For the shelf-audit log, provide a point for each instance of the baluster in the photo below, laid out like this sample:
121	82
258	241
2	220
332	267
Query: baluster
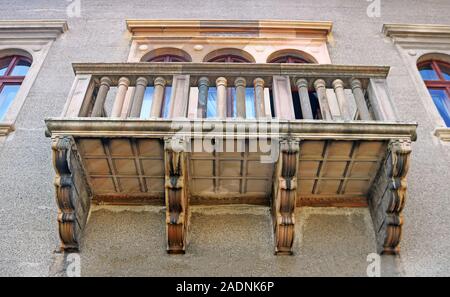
203	85
221	85
364	113
105	83
139	92
321	91
259	98
338	86
302	85
158	97
240	85
120	97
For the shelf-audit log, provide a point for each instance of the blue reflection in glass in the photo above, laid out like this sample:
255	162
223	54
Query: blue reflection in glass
211	110
442	103
147	103
21	68
428	73
6	98
250	103
167	94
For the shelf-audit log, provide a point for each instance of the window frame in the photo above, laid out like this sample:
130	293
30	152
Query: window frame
441	83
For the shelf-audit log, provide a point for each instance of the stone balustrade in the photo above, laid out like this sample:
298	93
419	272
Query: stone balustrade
325	92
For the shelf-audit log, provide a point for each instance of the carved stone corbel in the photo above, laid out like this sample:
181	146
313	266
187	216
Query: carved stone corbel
176	194
284	196
388	195
73	195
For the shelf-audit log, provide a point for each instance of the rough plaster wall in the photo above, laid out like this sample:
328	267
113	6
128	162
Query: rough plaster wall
27	208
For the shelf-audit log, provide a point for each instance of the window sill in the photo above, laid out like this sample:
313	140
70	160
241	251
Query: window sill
6	128
442	133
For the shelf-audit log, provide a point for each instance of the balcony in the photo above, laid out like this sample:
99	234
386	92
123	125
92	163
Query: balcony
318	135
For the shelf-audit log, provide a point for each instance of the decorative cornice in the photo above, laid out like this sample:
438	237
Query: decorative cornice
31	29
230	69
418	34
305	129
228	25
442	133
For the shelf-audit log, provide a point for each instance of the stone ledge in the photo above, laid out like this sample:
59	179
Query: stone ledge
6	128
442	133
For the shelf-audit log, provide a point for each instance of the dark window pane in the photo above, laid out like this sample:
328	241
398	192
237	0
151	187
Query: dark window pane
4	63
3	70
428	73
6	98
445	71
442	103
21	68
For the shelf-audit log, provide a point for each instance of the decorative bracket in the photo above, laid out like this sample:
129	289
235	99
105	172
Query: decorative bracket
388	195
284	196
176	194
73	195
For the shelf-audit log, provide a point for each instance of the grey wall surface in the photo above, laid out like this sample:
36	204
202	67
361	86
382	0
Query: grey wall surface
28	233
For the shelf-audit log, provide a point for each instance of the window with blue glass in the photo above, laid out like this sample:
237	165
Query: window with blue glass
12	73
436	75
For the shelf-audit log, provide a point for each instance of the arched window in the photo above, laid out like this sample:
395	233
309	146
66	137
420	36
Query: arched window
168	58
436	75
296	57
289	59
229	59
290	56
163	55
12	73
230	56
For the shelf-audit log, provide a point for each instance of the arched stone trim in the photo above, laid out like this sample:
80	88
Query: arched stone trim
169	51
229	52
292	53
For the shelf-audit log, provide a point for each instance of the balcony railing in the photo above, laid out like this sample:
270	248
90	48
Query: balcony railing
342	92
130	134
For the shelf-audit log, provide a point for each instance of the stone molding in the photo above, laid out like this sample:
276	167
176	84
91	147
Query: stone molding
32	38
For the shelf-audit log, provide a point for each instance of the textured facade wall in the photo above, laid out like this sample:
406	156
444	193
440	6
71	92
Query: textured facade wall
27	207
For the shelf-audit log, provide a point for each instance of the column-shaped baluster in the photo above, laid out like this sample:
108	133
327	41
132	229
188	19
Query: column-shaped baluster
260	110
221	85
321	91
158	97
139	92
364	113
203	85
302	85
240	85
338	86
105	83
120	97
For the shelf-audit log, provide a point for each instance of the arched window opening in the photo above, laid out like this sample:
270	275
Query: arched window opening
436	75
291	59
232	56
229	59
296	57
13	70
168	58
